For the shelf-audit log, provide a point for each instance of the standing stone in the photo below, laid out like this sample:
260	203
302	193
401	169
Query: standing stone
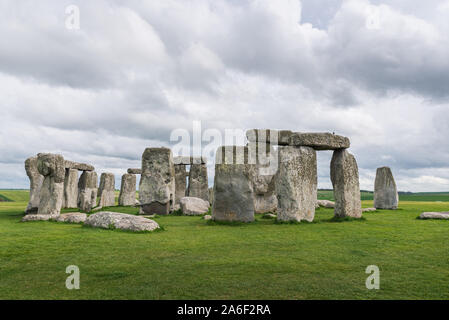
157	183
51	166
345	179
233	188
180	182
87	191
211	195
198	183
106	191
36	180
385	191
296	184
70	199
127	195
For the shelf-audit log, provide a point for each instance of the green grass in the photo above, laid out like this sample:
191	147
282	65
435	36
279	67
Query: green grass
419	196
196	259
15	195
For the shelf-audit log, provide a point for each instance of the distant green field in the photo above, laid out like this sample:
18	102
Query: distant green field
421	196
15	195
195	259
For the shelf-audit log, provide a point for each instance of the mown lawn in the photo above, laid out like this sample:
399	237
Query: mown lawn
194	259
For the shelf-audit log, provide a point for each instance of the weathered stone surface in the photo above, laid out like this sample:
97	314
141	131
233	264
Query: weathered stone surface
198	182
87	191
106	192
233	189
72	217
296	184
191	206
345	179
326	203
434	215
273	137
180	182
70	199
157	183
78	166
189	160
36	181
107	220
39	217
51	166
134	171
127	195
211	195
319	141
385	191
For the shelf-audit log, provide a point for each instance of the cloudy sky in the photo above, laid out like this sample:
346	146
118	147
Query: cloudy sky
135	71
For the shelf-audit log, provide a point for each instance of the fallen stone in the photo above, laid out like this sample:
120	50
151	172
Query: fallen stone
198	182
326	203
70	199
319	141
207	217
385	191
106	192
269	216
122	221
157	183
72	217
39	217
51	166
368	209
134	171
345	179
296	184
233	189
36	181
127	196
191	206
434	215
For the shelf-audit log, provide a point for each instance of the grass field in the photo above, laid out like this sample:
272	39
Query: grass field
194	259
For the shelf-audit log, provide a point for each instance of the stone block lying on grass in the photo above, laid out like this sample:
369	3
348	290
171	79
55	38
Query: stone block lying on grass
122	221
434	215
39	217
326	203
368	209
72	217
192	206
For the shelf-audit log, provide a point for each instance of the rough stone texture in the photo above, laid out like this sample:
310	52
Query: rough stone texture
51	166
198	182
87	191
72	217
296	184
107	220
134	171
233	189
189	160
385	191
180	182
36	181
319	141
211	195
70	199
127	195
78	166
345	179
157	183
106	192
326	203
434	215
39	217
191	206
273	137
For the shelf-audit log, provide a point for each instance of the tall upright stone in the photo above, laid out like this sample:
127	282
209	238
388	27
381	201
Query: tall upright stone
106	192
198	183
296	183
385	191
180	182
51	166
36	181
87	191
345	180
233	188
70	199
127	195
157	183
